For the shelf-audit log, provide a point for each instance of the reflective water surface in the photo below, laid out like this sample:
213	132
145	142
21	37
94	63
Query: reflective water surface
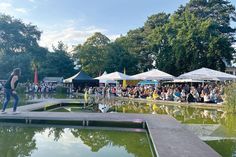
227	148
22	141
215	127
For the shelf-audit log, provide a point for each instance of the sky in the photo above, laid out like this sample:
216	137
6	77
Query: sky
73	21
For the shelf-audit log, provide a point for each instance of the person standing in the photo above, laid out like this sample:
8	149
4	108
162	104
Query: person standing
9	90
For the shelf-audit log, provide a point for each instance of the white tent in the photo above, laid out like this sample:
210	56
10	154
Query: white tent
207	74
153	74
105	80
114	76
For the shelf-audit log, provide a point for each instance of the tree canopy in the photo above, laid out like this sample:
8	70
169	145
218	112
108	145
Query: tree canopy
19	48
198	34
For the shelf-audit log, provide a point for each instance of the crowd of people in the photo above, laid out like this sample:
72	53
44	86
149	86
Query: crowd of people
207	93
40	88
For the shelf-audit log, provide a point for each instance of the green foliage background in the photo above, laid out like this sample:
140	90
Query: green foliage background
196	35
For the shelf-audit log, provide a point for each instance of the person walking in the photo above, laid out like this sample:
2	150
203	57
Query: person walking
9	90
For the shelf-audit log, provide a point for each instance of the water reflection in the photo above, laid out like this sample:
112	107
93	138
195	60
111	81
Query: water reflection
226	148
17	141
37	141
211	123
184	114
37	96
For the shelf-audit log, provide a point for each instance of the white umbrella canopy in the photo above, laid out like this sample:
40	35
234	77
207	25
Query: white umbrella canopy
153	74
114	76
207	74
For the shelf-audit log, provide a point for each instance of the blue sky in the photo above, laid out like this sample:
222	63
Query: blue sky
72	21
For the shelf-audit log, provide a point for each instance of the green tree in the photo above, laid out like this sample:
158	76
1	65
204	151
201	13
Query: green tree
97	40
119	58
92	54
17	37
137	43
57	63
196	36
155	21
19	47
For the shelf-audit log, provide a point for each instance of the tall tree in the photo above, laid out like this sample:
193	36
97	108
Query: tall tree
97	40
118	59
18	46
57	63
196	36
92	54
17	37
138	44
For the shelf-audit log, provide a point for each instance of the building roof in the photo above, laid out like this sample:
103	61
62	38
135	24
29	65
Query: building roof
53	79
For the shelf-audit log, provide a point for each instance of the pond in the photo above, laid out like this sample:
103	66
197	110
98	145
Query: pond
38	141
213	126
227	148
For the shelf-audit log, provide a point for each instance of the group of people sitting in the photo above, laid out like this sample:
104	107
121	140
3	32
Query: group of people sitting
207	93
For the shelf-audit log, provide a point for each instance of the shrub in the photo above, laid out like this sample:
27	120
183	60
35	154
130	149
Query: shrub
230	98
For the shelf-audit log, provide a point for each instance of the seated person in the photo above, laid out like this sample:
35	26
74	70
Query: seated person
190	98
207	98
176	95
169	95
145	93
155	95
196	95
183	95
119	92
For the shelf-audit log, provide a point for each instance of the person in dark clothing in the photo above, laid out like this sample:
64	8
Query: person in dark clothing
9	90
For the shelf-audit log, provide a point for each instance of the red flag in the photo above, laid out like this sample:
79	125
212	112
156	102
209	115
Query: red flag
35	76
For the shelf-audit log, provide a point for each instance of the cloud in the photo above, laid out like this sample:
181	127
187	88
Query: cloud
70	35
5	6
8	8
21	10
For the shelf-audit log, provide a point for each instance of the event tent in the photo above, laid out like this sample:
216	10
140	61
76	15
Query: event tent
114	76
105	81
207	74
79	76
153	74
81	80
